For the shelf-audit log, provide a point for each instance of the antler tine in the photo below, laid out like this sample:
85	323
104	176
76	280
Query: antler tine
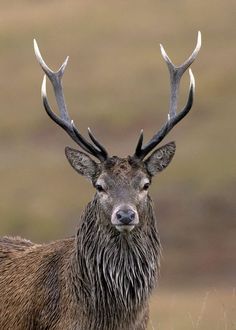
55	78
96	142
64	120
140	143
176	72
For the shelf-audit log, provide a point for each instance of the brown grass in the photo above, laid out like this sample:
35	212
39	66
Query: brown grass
194	309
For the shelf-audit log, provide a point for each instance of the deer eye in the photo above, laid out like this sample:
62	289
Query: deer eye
99	188
146	186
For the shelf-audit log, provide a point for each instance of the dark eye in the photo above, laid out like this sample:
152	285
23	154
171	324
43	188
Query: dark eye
146	186
99	188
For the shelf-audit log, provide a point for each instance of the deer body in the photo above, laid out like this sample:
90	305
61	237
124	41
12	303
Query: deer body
97	280
103	277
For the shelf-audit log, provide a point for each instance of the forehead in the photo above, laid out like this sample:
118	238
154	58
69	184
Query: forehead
123	170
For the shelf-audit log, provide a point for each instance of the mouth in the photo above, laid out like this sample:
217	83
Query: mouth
125	228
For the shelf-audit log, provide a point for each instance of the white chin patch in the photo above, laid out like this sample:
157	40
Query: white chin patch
125	228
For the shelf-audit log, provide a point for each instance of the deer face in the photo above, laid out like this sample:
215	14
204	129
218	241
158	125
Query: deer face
122	183
122	189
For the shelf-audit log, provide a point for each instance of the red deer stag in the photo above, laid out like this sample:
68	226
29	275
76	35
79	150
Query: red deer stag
101	278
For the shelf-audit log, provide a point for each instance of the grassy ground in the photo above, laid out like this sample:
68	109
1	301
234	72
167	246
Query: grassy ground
194	309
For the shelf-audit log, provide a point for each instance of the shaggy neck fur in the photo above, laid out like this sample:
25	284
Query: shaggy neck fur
115	272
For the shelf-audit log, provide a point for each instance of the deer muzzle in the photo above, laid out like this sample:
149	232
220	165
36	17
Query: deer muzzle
125	217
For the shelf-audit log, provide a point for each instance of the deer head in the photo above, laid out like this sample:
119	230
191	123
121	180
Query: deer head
121	183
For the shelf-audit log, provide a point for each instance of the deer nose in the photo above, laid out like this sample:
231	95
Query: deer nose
125	216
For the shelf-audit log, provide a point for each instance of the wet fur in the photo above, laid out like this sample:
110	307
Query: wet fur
98	280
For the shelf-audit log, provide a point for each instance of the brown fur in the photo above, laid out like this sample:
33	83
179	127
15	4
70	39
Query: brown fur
99	279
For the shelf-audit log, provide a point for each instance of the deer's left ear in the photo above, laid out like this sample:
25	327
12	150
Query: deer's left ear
160	158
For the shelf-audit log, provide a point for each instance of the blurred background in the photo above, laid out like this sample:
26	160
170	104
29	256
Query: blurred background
117	83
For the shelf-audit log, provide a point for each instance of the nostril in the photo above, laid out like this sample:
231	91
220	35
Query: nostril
132	215
118	215
125	216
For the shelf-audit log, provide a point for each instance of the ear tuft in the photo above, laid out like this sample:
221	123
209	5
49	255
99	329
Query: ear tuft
160	158
82	163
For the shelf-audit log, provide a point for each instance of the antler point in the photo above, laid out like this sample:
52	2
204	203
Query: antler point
191	75
199	43
66	60
36	49
199	34
44	89
163	52
192	79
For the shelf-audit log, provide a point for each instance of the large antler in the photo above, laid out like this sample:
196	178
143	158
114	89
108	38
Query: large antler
95	149
176	72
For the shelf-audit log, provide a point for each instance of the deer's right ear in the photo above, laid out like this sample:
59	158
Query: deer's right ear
82	163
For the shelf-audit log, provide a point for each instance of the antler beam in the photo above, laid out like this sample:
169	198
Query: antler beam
95	149
176	72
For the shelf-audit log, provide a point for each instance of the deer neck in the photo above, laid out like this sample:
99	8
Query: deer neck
116	272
